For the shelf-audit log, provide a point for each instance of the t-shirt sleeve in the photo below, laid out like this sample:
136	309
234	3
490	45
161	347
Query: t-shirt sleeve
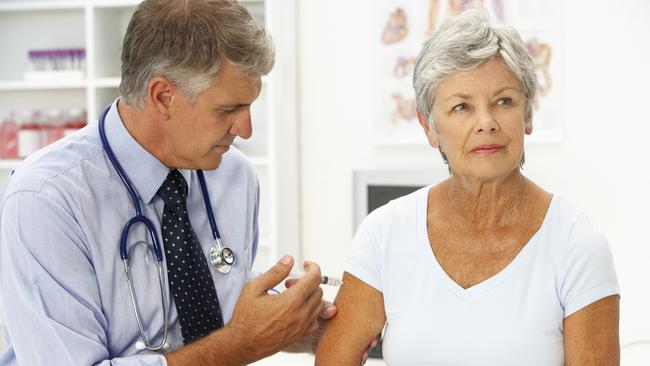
364	261
588	273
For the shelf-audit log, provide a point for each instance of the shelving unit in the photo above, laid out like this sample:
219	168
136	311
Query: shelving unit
17	86
99	27
6	166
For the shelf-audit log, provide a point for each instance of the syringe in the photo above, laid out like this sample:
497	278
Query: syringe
324	280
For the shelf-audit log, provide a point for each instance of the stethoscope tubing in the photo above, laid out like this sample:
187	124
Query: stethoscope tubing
139	218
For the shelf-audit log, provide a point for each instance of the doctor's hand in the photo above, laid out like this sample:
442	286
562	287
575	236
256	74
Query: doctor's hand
265	324
309	343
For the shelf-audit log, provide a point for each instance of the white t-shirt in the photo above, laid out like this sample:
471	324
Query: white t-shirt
513	318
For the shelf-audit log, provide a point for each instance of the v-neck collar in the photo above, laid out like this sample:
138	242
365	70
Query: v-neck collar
442	276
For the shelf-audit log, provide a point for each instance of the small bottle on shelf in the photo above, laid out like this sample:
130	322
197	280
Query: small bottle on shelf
76	120
29	133
8	137
32	61
53	127
81	54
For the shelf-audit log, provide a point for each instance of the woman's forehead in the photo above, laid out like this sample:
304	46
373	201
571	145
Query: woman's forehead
491	75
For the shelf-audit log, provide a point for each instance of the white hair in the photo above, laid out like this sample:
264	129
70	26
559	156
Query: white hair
463	43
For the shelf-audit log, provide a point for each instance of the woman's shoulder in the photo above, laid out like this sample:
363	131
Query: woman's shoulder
582	257
565	216
569	229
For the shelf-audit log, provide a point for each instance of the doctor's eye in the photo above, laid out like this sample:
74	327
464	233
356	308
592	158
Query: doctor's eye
460	107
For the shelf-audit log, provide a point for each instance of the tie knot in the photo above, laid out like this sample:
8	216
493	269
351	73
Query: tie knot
173	191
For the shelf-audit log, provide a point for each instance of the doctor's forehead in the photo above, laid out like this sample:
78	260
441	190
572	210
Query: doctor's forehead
241	91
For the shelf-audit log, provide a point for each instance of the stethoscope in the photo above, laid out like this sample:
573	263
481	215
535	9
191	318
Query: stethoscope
222	258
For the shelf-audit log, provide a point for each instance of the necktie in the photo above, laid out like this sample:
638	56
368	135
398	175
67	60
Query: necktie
189	277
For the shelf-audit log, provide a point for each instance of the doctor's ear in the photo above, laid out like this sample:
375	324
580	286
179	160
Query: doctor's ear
160	95
432	136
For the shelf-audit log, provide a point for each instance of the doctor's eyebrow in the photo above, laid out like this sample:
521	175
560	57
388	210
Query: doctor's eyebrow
233	106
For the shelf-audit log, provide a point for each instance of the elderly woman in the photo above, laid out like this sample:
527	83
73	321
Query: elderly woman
484	268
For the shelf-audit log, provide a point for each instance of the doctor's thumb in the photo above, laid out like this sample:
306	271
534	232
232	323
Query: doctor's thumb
275	274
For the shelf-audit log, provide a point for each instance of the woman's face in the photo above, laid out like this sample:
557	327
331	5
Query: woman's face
479	121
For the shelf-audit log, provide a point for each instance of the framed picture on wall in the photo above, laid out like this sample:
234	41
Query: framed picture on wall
402	26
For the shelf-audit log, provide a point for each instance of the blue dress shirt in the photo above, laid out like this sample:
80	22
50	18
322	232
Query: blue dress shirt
63	292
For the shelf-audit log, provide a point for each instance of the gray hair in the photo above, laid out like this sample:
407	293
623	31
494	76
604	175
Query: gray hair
463	43
185	41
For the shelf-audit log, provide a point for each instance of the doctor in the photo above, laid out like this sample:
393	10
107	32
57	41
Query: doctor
190	71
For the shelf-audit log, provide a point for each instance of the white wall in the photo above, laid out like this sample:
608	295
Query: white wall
601	166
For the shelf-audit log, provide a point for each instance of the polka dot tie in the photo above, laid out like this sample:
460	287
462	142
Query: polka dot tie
189	276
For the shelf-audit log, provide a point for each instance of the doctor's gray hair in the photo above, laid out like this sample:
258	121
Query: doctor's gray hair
463	43
185	41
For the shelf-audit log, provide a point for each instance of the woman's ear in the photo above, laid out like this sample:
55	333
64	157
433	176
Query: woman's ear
528	127
432	136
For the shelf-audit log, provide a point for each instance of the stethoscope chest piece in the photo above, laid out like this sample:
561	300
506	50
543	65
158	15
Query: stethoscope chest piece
222	258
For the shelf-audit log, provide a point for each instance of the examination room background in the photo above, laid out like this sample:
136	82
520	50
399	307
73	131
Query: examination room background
600	164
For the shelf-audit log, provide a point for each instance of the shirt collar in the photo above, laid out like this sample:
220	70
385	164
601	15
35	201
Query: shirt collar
144	170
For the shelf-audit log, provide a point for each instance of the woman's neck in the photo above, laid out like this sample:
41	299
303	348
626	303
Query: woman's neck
485	204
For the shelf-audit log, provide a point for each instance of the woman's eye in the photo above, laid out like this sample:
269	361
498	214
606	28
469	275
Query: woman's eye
460	107
504	101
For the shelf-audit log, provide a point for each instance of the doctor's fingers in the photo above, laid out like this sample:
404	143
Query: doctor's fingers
314	307
317	311
271	278
309	281
303	303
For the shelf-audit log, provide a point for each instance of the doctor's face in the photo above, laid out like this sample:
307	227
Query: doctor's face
479	121
203	132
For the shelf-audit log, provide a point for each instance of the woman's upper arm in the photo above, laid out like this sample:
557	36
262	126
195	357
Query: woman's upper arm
591	334
359	319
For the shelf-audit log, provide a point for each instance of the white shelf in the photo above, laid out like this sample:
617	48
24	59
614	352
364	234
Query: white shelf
115	3
22	85
27	5
106	83
9	164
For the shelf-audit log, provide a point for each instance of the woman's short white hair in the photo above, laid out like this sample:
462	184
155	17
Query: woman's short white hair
463	43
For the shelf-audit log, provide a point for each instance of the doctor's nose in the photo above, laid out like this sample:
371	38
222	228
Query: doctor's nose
243	126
